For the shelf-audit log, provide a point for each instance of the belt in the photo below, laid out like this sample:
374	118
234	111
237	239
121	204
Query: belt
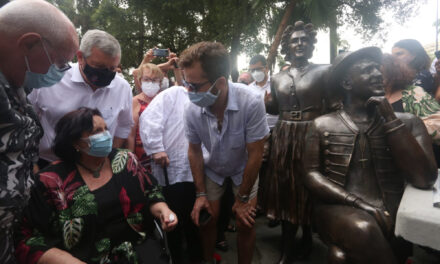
299	115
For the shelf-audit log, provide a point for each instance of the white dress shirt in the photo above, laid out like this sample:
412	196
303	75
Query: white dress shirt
262	90
72	92
161	127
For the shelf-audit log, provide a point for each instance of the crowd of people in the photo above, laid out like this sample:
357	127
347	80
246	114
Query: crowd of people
89	165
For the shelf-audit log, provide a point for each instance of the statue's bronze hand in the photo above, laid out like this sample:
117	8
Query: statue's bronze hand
382	105
382	217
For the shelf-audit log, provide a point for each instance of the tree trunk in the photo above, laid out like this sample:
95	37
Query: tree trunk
281	27
235	48
334	40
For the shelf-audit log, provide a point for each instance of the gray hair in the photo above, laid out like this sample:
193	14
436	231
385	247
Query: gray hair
101	40
22	16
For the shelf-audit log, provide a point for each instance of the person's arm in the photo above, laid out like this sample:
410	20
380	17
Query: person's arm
148	57
152	126
415	158
195	157
270	99
131	140
55	256
125	118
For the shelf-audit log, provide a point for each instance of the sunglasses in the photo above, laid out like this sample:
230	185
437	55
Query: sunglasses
194	86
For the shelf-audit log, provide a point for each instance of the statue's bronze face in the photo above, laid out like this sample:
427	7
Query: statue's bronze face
365	79
299	45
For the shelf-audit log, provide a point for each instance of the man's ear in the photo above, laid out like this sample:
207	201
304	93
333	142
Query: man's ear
80	57
27	41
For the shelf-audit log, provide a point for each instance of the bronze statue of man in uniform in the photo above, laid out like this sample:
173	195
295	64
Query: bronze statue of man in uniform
357	161
297	96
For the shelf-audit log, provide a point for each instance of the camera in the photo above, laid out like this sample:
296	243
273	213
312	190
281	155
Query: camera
161	52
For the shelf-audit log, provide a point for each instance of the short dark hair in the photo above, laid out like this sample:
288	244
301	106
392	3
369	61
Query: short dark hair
258	58
213	58
310	31
69	129
421	59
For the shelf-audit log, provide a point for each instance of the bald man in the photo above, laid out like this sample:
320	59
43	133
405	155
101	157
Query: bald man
36	43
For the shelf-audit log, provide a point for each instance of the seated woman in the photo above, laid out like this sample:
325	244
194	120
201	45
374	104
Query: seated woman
93	205
409	98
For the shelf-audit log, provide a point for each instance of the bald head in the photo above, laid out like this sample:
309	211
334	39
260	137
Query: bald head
245	78
24	24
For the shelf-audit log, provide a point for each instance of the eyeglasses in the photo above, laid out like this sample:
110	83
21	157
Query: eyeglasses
155	80
64	67
194	86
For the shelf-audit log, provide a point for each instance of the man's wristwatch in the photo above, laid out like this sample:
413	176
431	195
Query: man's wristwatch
243	198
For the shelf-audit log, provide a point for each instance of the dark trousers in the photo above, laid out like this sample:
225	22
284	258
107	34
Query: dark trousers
183	241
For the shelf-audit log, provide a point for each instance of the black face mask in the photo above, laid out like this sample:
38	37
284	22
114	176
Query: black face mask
98	77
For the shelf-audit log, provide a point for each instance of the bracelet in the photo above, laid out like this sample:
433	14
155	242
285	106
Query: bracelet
201	194
350	199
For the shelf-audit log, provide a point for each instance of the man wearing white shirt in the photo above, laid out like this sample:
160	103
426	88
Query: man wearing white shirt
90	83
161	127
261	84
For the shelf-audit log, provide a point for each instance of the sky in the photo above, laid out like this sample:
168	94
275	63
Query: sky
419	26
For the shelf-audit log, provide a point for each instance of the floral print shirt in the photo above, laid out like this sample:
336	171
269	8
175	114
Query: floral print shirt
100	226
20	133
420	103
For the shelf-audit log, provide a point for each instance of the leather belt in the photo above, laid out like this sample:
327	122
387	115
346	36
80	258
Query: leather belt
299	115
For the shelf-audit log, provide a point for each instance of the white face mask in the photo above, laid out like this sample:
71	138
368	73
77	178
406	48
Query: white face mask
150	88
258	76
165	83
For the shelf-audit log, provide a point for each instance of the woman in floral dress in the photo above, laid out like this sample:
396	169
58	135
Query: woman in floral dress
94	205
409	98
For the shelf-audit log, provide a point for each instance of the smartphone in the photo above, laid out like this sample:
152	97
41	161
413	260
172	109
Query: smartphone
437	54
161	52
204	217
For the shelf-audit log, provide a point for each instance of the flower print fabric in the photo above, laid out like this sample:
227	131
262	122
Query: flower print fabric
100	226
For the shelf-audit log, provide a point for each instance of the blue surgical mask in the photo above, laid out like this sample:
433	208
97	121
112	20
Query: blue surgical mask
100	145
203	99
35	80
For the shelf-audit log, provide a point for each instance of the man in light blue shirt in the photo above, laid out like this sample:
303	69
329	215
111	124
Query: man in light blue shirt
230	121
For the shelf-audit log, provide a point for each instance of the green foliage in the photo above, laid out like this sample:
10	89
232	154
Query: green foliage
241	25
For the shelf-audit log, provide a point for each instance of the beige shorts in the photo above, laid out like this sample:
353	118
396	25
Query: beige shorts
216	191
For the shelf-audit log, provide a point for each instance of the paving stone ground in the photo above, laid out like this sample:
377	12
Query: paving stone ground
269	239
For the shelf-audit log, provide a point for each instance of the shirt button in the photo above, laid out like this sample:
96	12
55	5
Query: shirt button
326	142
326	134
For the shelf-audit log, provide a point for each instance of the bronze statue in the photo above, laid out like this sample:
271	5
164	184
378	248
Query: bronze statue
297	96
357	161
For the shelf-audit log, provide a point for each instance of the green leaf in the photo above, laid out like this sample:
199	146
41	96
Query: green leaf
37	239
119	161
72	232
84	202
103	245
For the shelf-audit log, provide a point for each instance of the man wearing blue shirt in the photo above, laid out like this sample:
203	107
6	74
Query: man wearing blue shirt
231	123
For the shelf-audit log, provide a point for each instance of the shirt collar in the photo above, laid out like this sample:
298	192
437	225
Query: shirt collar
78	78
232	100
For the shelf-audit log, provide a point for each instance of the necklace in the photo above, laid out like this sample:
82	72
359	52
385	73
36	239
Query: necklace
95	173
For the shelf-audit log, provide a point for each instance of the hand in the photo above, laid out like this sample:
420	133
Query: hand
200	203
168	219
245	213
161	158
383	106
383	218
148	56
267	97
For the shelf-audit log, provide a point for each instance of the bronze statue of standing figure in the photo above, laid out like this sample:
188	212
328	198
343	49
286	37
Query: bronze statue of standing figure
297	96
357	161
